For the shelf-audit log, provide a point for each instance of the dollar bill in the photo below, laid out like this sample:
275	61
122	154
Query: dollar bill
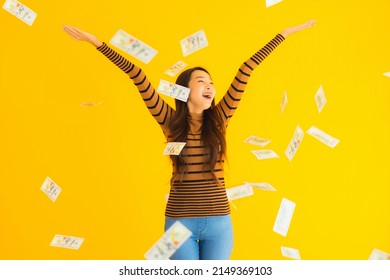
290	253
133	46
176	68
283	219
173	90
379	255
65	241
20	11
265	154
294	143
90	103
167	245
254	140
322	136
239	192
51	189
262	186
320	98
194	42
174	148
269	3
284	101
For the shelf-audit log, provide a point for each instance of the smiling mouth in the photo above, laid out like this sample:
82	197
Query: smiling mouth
207	96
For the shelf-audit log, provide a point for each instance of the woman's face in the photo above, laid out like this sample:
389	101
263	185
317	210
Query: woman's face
202	92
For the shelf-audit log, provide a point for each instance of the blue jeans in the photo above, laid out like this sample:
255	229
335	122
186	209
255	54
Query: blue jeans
211	239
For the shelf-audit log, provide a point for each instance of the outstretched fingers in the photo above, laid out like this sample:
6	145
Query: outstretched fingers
309	23
72	32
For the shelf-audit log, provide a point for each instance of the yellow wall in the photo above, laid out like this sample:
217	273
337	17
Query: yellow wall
108	158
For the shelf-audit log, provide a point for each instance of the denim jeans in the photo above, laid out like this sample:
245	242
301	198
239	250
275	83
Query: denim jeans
211	239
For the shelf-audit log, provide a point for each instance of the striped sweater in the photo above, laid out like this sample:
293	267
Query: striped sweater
197	194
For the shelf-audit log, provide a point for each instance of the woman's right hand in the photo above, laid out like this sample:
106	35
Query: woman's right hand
80	35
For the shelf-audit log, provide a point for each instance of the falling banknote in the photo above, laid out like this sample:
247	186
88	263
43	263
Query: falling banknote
283	219
51	189
262	186
167	245
322	136
174	148
254	140
284	101
265	154
294	143
290	253
379	255
320	99
194	43
133	46
90	103
69	242
176	68
20	11
239	192
173	90
269	3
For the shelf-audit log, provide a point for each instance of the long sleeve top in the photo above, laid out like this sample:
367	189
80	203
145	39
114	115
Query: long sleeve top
197	194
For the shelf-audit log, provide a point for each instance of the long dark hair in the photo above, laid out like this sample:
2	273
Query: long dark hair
213	129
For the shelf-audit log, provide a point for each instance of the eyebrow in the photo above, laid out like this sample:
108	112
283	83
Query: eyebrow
202	77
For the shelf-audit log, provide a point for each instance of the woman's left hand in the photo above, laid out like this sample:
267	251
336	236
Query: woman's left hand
294	29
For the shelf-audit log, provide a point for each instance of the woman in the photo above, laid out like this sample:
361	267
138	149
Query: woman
197	197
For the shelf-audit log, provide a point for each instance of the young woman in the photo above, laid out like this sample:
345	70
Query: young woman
197	197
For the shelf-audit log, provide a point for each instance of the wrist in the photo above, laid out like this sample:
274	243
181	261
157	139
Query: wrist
97	43
285	33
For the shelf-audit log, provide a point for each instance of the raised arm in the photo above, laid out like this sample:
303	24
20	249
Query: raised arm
159	109
228	104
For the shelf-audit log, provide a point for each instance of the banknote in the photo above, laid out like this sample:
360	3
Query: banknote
290	253
255	140
322	136
65	241
194	42
283	219
20	11
176	68
320	98
90	103
173	90
284	101
174	148
265	154
269	3
262	186
167	245
294	143
51	189
239	192
133	46
379	255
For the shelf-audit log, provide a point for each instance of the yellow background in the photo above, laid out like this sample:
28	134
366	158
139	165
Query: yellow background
108	158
